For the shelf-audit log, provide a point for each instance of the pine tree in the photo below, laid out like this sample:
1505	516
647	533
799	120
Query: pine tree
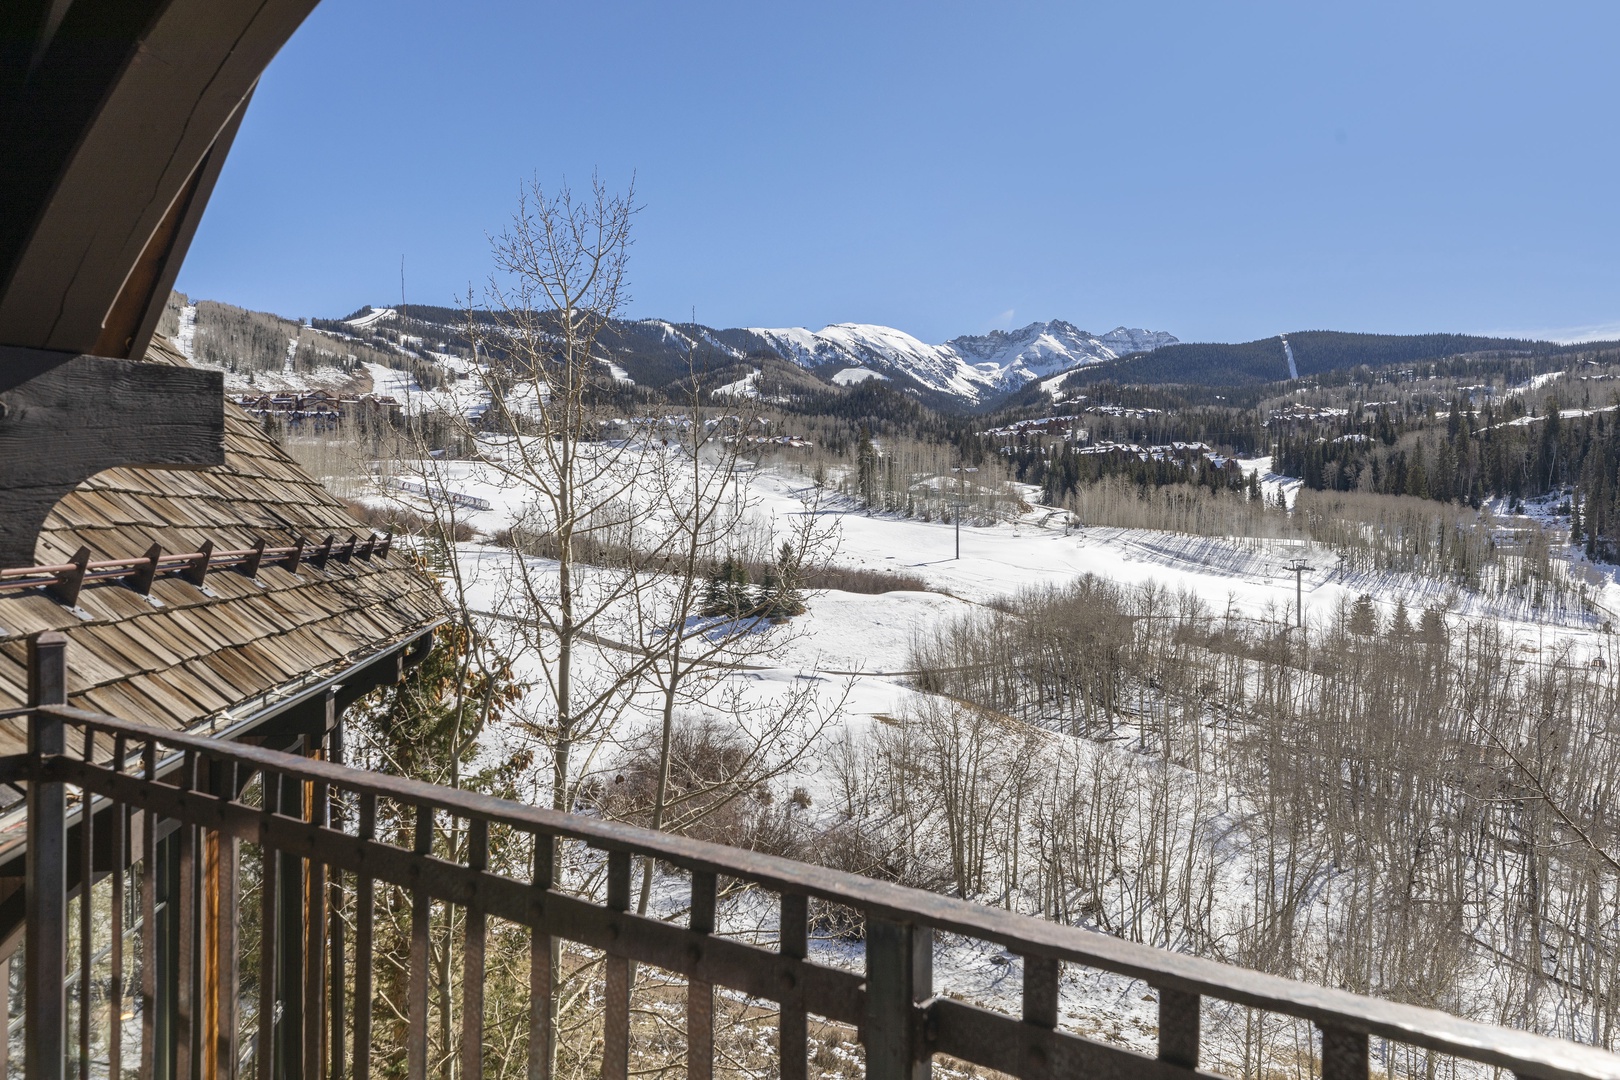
780	596
714	595
1432	627
866	466
1363	617
1400	627
727	593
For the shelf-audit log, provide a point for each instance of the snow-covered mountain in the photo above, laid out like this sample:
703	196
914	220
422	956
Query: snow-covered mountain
1043	349
971	367
972	371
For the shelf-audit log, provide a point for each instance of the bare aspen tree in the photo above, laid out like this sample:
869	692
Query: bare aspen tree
560	278
689	648
617	523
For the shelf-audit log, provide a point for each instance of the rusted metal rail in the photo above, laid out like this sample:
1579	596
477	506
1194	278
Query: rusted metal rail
65	580
320	834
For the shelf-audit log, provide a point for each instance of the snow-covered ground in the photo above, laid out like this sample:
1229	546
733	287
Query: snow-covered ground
745	387
1536	383
855	651
867	638
1271	483
459	396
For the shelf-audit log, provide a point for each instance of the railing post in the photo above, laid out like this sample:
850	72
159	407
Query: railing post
1179	1027
699	994
5	1011
1344	1054
364	913
222	857
289	1026
792	1027
87	937
119	837
899	973
616	978
543	952
269	928
149	922
314	944
45	1037
475	937
339	974
1041	996
416	993
186	989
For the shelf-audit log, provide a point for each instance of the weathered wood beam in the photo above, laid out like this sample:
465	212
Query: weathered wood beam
134	316
90	414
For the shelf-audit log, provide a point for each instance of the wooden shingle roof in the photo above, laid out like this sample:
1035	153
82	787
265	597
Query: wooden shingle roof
187	654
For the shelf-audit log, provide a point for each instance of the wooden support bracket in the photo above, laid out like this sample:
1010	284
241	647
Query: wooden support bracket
140	577
250	565
290	563
69	582
322	553
196	570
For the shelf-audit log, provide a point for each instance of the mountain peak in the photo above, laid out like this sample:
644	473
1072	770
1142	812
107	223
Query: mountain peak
974	367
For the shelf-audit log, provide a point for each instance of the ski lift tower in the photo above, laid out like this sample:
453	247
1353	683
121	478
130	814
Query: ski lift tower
1298	568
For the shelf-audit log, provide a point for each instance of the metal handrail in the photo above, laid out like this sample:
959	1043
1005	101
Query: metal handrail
978	1035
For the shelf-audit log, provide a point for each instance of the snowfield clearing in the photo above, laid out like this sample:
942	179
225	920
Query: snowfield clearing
850	376
853	654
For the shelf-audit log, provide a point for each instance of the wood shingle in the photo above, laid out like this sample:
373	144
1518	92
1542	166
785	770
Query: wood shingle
183	656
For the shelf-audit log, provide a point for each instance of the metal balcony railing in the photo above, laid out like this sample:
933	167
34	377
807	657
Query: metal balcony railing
317	828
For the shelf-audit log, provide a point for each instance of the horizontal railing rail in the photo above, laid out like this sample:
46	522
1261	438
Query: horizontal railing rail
892	1004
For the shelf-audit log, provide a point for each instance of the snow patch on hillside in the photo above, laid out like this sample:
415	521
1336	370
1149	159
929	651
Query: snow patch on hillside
466	397
745	387
185	338
371	318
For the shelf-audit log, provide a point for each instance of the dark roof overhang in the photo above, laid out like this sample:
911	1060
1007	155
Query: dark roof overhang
115	118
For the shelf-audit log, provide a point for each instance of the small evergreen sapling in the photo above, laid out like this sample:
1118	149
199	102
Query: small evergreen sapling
727	594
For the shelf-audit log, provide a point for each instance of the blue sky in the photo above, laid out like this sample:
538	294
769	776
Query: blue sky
1222	171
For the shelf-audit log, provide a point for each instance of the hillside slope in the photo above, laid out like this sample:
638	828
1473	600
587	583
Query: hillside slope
1315	352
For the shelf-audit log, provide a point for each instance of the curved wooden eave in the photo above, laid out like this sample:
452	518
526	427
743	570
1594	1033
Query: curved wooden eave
114	135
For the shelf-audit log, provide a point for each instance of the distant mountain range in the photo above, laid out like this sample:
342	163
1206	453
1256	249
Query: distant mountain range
973	370
1026	367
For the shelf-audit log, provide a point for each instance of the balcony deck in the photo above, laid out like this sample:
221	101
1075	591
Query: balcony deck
322	850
